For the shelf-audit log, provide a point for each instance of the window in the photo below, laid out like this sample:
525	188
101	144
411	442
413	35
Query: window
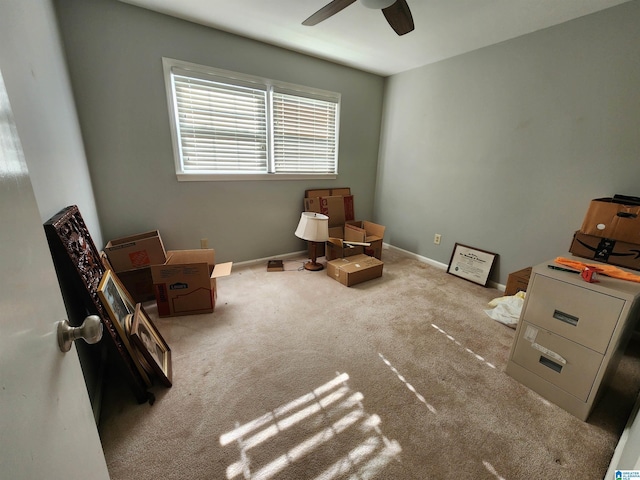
230	126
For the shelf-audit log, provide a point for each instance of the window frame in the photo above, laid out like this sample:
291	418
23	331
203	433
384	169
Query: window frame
234	78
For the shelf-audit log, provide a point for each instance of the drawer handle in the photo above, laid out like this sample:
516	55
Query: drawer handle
556	367
565	317
627	215
549	353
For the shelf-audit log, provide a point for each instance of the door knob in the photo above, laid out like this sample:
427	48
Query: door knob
90	331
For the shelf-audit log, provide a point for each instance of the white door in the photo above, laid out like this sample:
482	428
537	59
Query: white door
47	428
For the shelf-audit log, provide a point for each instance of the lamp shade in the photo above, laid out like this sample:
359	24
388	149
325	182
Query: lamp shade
313	227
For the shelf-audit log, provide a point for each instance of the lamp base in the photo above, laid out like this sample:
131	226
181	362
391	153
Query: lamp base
313	266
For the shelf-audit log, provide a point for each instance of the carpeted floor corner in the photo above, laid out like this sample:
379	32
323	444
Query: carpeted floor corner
295	376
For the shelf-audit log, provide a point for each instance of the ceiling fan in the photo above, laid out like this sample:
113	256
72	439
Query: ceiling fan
396	12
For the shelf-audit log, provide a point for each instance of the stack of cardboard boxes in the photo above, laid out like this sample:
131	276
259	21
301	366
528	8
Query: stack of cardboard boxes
131	259
354	249
610	232
337	204
183	282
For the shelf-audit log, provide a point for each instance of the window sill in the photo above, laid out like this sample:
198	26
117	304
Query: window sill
201	177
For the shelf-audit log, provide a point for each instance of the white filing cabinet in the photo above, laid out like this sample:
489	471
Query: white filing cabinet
571	335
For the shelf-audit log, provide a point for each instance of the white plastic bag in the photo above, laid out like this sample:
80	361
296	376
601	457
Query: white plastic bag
507	309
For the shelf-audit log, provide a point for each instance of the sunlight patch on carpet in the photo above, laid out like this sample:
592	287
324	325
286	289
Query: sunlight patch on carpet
278	440
492	470
408	385
468	350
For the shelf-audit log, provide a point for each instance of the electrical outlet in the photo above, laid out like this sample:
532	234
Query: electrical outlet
204	243
436	238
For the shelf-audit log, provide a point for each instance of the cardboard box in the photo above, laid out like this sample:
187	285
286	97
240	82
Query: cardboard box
349	208
334	232
353	270
326	192
518	281
615	218
606	250
138	283
373	234
337	204
332	207
186	283
358	232
136	251
338	248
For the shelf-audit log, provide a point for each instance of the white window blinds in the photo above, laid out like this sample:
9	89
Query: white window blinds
304	134
222	128
225	123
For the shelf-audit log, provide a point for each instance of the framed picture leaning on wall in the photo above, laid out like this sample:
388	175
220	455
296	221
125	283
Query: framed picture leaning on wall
471	264
118	304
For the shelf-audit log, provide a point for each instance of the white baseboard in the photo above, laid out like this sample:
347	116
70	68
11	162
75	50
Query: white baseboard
434	263
440	265
420	258
284	256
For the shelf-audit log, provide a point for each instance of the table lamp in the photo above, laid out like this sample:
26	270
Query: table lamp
314	228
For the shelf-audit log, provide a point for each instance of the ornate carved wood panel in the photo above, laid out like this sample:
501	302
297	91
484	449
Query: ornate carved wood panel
77	260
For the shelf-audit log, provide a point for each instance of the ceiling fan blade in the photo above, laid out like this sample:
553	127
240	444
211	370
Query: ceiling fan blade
399	17
327	11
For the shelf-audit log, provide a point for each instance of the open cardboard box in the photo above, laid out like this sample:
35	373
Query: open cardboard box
186	283
357	238
136	251
137	281
131	259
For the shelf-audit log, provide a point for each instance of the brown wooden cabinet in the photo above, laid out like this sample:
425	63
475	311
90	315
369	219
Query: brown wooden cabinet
518	281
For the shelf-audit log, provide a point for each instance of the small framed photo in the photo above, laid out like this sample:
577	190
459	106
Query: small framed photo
148	340
471	264
118	304
115	299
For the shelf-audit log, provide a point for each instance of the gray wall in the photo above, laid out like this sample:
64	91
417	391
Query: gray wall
115	55
35	74
503	148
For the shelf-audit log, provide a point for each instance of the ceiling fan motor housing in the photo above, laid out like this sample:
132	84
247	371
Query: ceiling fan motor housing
377	4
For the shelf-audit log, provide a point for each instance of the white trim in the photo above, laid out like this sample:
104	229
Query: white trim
197	70
258	261
204	177
435	263
172	108
420	258
627	446
173	67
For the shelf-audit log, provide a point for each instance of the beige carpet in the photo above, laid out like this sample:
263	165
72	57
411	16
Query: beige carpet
295	376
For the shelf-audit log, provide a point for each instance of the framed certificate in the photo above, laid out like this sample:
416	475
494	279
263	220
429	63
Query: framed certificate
471	264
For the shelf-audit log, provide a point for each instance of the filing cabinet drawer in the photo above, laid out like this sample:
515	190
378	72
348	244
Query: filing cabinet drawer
586	317
566	364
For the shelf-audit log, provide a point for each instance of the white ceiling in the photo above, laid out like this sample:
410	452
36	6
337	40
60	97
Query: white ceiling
361	38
